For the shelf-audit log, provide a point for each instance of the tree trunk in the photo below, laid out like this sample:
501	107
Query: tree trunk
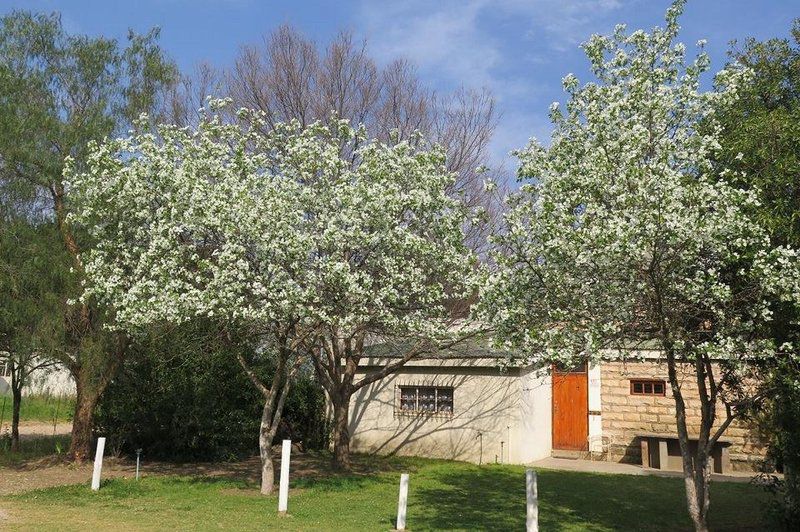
16	392
341	433
695	466
80	448
265	437
267	470
696	477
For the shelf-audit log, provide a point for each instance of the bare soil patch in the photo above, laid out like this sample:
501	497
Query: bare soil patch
55	471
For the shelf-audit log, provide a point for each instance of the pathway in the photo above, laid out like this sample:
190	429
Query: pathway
616	468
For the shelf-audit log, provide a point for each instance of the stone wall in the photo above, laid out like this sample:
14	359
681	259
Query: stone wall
624	414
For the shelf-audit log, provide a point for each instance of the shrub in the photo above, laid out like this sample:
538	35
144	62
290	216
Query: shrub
182	396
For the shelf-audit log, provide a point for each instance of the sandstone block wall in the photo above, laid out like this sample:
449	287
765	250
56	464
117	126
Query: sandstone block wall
624	414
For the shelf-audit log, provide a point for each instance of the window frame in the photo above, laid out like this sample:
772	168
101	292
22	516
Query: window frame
417	411
644	383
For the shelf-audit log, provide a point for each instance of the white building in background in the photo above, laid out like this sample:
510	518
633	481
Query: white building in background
50	381
474	404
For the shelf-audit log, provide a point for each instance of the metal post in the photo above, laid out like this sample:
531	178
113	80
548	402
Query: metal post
508	444
3	411
402	502
502	451
138	455
531	488
98	463
55	416
283	492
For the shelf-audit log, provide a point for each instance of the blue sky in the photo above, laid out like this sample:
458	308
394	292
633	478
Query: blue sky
520	49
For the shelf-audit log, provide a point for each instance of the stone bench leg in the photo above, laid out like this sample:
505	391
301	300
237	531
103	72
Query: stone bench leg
663	456
645	452
725	459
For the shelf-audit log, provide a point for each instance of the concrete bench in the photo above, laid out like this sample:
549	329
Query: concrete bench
661	450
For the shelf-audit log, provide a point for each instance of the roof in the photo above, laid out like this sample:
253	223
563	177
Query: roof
468	349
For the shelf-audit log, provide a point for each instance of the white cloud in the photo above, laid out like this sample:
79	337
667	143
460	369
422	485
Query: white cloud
444	37
463	43
448	37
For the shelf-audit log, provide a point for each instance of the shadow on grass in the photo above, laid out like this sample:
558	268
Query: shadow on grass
308	469
493	498
443	495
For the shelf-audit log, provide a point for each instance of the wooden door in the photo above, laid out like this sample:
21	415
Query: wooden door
570	409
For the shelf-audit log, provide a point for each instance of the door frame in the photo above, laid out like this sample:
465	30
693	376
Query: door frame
584	370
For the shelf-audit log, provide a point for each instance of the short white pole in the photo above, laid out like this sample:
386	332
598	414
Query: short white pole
283	493
402	502
532	521
98	463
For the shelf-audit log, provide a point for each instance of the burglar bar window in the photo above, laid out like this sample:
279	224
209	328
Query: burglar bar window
426	399
647	387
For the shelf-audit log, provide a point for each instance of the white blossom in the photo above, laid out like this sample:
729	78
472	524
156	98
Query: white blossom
621	233
230	222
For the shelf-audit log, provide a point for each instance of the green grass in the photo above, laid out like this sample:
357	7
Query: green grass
443	495
39	408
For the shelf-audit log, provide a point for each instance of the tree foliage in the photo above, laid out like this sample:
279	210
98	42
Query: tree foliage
57	93
761	144
623	235
277	234
182	396
32	283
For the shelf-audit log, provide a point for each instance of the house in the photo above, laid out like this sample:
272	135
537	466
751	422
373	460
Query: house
50	381
478	405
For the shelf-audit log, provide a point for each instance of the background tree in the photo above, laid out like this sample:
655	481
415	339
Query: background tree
290	77
58	92
625	235
31	305
761	145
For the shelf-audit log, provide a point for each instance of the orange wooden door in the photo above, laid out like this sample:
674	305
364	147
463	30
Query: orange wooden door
570	410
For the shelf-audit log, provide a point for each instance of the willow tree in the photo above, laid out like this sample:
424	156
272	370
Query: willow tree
622	234
31	305
58	91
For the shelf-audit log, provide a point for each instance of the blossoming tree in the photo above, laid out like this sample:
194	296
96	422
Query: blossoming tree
279	237
391	267
623	235
204	223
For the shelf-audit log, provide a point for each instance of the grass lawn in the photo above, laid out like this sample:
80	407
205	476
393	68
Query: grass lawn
38	408
442	495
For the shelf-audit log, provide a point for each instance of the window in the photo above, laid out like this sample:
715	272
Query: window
647	387
5	369
426	399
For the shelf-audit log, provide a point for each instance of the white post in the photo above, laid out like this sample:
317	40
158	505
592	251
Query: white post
283	492
98	463
402	502
532	521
